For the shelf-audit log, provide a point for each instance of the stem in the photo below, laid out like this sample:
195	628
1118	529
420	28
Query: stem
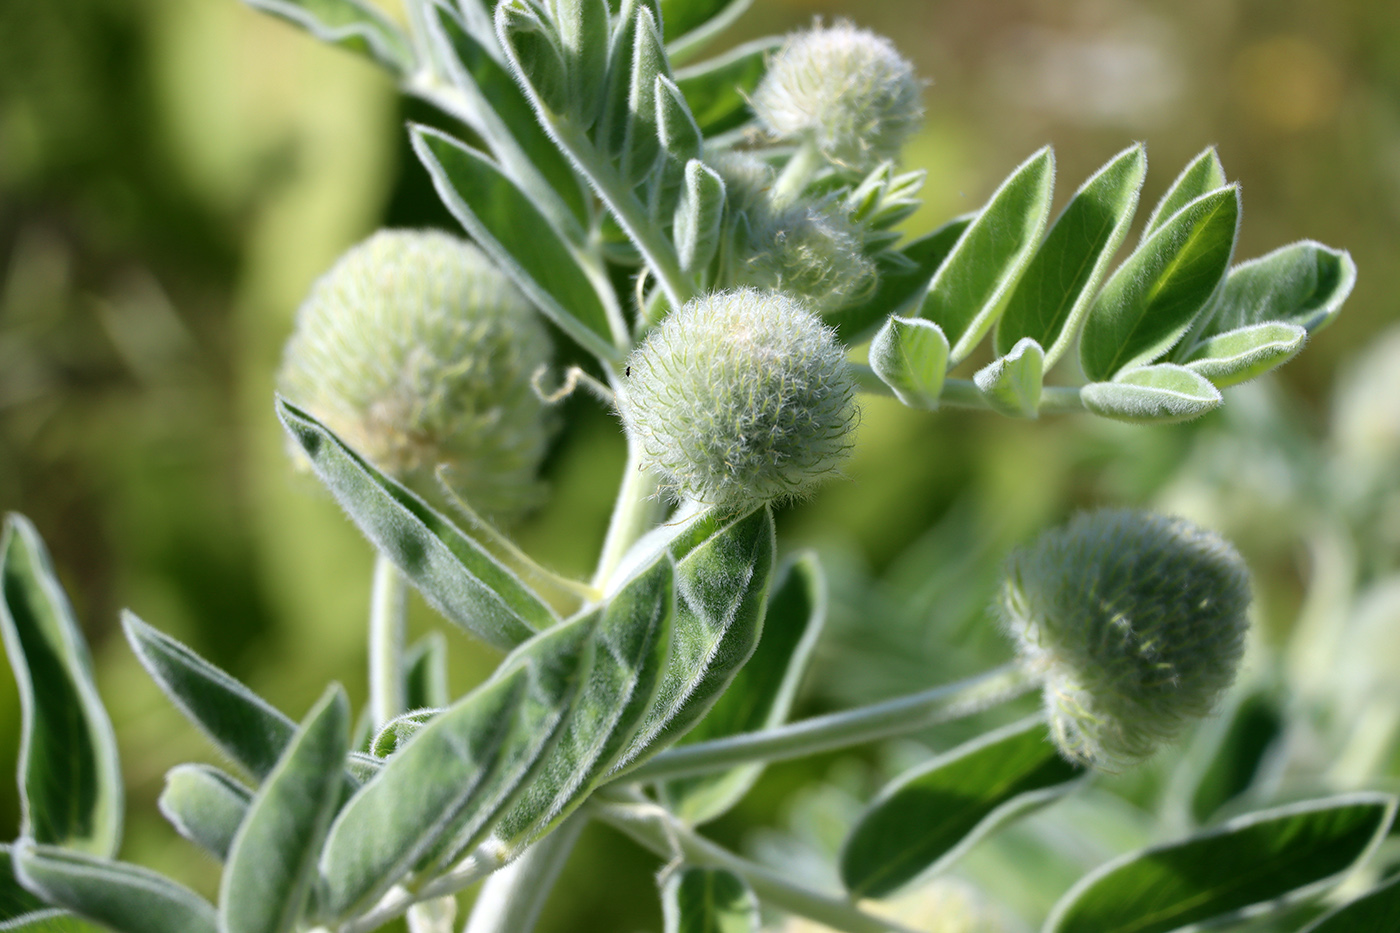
796	174
511	899
388	604
656	829
400	899
633	515
899	716
963	393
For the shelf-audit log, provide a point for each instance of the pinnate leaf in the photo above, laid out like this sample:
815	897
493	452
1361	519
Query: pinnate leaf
902	283
1303	284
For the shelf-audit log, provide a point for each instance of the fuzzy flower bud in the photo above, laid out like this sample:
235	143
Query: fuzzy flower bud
419	352
814	252
1136	622
846	89
741	398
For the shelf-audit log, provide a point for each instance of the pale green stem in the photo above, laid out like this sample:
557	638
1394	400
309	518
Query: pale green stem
657	829
899	716
797	174
633	515
511	899
436	916
963	393
388	605
400	899
417	13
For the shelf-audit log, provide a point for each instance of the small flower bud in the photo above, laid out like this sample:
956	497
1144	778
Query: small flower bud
812	252
419	352
846	89
741	398
1136	622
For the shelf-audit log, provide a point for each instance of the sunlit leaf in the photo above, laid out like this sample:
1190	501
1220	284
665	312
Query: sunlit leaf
1153	394
1012	383
910	355
425	672
1238	355
351	24
902	282
1302	284
1201	176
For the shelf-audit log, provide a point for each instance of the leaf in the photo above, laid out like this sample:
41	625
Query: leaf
350	24
122	897
205	806
70	783
1201	176
699	216
425	672
1235	760
926	819
510	228
395	733
708	900
910	355
583	36
442	791
1012	383
1153	298
972	285
272	863
718	89
458	576
538	55
1049	303
1303	284
1260	857
681	144
19	908
1239	355
640	143
761	694
1153	394
692	23
902	282
1377	909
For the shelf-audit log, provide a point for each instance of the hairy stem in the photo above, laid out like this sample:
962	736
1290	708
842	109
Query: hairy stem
797	174
963	393
511	899
633	516
388	605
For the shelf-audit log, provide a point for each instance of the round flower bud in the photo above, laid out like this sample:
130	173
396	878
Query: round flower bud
846	89
814	253
1137	624
740	398
419	352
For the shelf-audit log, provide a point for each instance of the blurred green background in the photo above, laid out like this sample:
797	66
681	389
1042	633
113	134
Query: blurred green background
175	173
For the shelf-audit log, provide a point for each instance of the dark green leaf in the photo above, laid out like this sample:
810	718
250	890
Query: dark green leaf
718	89
692	23
272	863
1062	277
69	775
1237	355
761	694
708	900
205	805
1153	298
1012	383
973	284
1238	755
20	908
425	672
457	575
927	818
1376	910
1303	284
1201	176
124	898
350	24
910	355
1260	857
1153	394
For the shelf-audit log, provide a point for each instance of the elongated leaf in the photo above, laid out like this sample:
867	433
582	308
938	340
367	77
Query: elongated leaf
442	791
699	218
1012	383
692	23
1302	284
19	908
538	52
1201	176
1261	857
1153	394
506	224
902	283
1237	355
640	144
205	805
708	900
425	673
925	819
1377	909
454	573
272	863
1153	298
762	693
69	776
583	36
972	286
718	89
1053	295
910	355
1240	752
350	24
124	898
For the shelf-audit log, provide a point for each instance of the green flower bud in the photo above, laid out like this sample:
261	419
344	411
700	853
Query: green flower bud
1137	623
846	89
741	398
419	352
813	252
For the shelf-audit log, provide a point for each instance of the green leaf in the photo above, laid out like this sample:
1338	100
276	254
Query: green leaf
1238	755
124	898
1154	297
441	793
610	132
1302	284
972	285
1201	176
272	863
583	36
350	24
1261	857
70	783
510	228
19	908
640	142
1153	394
1012	383
425	672
1377	909
680	144
1061	279
1238	355
718	89
762	693
456	574
910	355
205	805
692	23
699	218
926	819
708	900
395	733
538	54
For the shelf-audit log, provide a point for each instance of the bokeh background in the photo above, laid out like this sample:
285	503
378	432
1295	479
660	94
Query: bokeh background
175	173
